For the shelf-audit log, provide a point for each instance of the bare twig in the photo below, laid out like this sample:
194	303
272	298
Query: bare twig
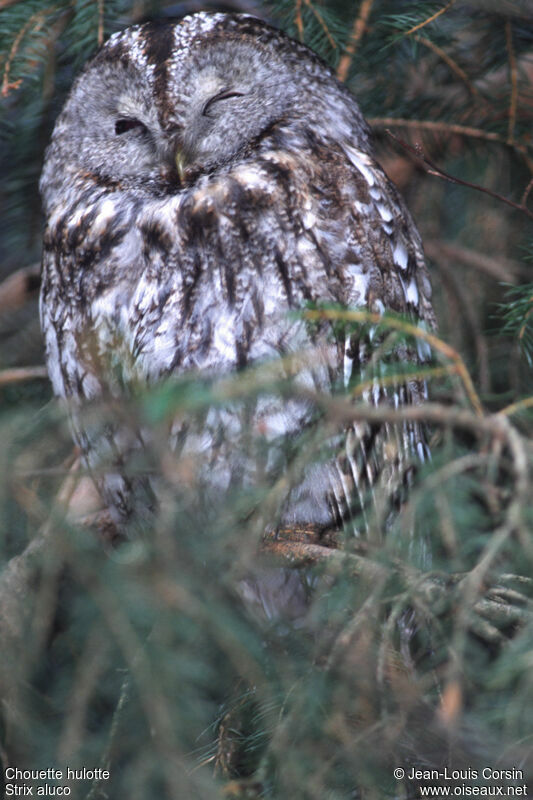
21	374
152	698
429	19
100	22
356	35
344	410
298	19
520	405
525	322
433	169
442	127
527	190
105	760
473	587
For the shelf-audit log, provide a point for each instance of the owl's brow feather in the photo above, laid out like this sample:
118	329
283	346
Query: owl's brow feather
225	94
273	85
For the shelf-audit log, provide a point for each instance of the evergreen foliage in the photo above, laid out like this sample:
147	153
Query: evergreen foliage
417	651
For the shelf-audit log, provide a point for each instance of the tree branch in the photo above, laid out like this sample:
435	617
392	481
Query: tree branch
450	128
433	169
429	19
21	374
359	27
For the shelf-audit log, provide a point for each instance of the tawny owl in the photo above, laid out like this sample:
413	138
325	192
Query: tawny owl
205	181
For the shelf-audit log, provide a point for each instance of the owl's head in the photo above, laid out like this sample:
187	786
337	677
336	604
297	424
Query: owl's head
161	104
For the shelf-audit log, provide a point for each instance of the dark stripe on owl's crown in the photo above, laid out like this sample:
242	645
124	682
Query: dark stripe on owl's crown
158	49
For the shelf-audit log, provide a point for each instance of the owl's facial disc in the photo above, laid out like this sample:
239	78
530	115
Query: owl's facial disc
149	113
227	95
210	104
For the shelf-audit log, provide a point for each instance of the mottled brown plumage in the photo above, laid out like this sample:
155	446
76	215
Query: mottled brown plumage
205	179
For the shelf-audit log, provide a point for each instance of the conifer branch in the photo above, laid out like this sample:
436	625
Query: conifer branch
429	19
358	29
298	20
35	22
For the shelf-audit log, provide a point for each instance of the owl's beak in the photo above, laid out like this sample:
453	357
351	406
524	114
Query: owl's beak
180	162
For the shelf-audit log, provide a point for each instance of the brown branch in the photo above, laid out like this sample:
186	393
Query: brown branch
527	190
433	169
429	19
514	81
520	405
100	22
527	317
322	23
451	128
359	27
495	426
298	20
298	554
487	610
21	374
437	127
